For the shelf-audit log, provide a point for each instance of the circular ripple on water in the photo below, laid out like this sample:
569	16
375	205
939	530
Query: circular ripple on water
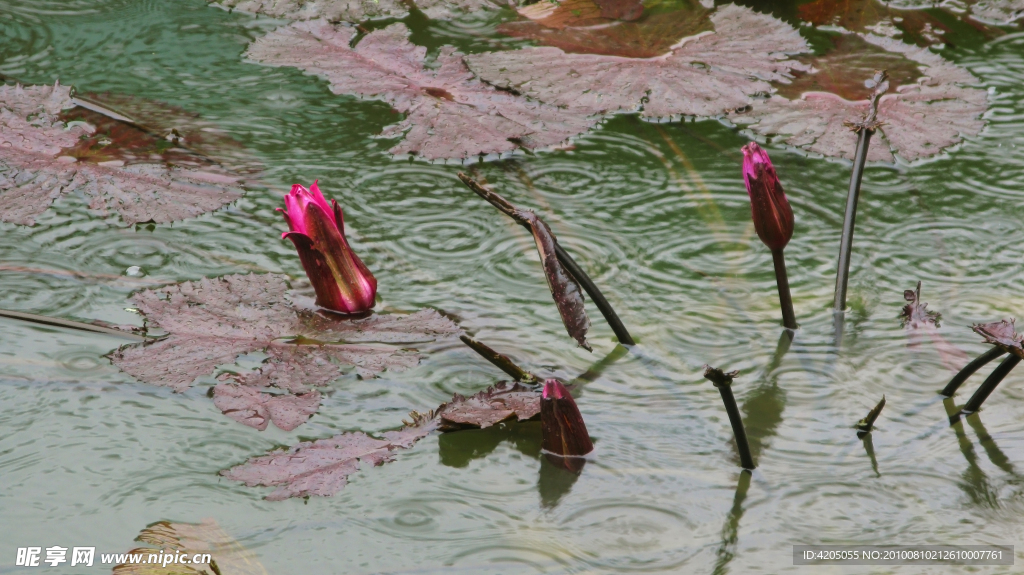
629	536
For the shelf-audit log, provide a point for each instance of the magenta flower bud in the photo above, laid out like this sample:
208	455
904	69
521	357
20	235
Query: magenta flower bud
341	280
564	432
773	218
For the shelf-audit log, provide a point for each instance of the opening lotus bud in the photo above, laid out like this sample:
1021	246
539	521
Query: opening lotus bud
341	280
564	432
773	218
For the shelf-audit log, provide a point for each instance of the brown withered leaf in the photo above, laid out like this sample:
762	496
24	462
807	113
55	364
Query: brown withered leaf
915	24
565	290
227	556
843	67
322	467
707	74
500	402
134	130
917	121
614	28
38	165
449	114
357	10
997	12
1001	333
248	406
915	314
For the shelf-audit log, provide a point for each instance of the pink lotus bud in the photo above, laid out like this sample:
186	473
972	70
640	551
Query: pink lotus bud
564	432
340	278
773	218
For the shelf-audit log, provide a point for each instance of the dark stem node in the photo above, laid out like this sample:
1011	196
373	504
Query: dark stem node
723	381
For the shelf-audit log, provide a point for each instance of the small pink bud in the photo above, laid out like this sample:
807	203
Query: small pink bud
564	432
341	280
773	218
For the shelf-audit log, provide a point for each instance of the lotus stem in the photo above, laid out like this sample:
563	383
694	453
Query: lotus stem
785	298
503	362
864	130
595	294
66	323
990	383
969	369
723	381
566	260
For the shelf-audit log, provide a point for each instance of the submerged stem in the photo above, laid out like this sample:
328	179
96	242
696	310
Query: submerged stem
969	369
785	298
503	362
58	322
990	383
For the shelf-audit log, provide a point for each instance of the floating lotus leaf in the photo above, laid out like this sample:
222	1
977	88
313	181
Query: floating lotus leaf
251	407
917	121
708	74
357	10
449	114
39	163
212	321
322	467
611	27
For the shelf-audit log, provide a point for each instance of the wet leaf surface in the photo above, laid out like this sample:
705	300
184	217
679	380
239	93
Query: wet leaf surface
610	27
322	467
211	322
449	114
248	406
918	121
997	12
565	290
707	75
38	164
227	556
500	402
357	10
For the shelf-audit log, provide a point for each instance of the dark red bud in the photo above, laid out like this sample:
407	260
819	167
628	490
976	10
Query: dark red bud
564	432
773	218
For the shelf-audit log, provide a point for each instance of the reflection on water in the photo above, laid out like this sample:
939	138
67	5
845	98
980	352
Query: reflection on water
657	215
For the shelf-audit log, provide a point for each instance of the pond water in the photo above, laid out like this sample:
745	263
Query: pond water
657	213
